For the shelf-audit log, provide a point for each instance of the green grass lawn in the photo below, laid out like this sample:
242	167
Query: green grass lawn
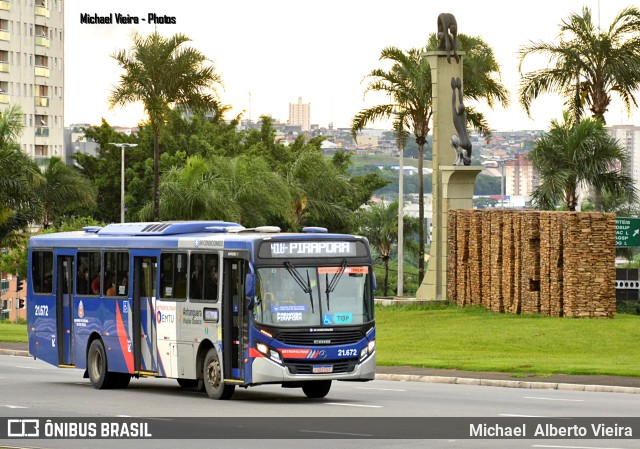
14	333
475	339
446	336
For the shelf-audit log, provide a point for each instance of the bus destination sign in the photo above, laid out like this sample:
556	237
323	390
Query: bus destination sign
325	248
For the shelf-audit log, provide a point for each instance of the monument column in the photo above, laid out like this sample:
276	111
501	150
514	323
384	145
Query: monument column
452	185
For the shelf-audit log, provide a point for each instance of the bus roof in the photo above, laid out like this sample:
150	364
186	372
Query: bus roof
172	235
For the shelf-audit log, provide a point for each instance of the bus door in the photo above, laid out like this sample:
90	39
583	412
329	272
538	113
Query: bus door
145	348
64	309
233	317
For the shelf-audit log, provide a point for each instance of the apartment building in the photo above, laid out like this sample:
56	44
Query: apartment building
300	114
32	72
629	137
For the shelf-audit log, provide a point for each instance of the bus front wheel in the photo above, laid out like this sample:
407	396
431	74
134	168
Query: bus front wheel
316	389
99	374
212	375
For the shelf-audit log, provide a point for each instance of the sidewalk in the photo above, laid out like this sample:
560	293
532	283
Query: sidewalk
610	384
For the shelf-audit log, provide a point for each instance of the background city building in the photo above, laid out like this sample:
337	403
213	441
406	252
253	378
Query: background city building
300	114
32	72
629	138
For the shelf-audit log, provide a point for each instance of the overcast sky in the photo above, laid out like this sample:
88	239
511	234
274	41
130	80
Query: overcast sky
269	53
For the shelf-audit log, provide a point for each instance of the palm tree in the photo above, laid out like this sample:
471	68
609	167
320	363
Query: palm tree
239	189
63	186
571	154
407	84
379	223
19	205
162	73
588	64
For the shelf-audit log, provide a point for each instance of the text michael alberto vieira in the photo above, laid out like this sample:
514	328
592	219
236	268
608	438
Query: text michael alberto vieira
118	18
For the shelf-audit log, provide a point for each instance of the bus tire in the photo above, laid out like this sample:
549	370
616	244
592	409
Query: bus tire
97	367
212	376
123	380
316	389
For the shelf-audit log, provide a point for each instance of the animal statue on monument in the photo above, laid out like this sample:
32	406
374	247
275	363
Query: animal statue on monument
460	143
448	35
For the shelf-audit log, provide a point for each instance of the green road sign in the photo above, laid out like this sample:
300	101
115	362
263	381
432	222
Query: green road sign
627	231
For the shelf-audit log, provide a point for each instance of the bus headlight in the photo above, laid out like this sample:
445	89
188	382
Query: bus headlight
270	353
371	346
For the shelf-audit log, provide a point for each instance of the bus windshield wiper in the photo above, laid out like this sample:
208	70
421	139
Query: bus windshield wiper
331	286
293	271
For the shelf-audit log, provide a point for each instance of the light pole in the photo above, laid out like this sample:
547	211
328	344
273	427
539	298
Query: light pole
122	147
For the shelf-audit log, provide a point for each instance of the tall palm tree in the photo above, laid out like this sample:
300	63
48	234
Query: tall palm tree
571	154
162	73
587	64
63	186
407	85
379	223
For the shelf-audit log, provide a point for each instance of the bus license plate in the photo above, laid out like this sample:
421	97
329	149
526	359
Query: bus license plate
317	369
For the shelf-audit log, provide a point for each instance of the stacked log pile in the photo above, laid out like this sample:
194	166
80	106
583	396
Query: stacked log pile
551	263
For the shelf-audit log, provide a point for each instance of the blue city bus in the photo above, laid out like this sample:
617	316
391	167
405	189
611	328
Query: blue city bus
209	303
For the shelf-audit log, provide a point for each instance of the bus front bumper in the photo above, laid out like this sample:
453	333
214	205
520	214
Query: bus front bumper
267	371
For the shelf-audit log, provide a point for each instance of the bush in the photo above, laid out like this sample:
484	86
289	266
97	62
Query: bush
628	307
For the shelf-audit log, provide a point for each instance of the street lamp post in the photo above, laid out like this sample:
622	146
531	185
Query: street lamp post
122	147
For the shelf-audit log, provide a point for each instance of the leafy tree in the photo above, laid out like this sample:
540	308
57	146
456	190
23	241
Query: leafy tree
162	73
104	171
63	186
407	85
572	154
379	223
588	64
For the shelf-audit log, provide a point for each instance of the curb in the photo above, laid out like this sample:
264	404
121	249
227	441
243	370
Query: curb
508	383
463	381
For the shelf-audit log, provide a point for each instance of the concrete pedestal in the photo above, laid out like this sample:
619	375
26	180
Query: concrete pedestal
456	184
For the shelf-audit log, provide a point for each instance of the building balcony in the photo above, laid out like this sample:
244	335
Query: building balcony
41	71
42	101
5	35
42	131
4	99
41	40
5	5
42	11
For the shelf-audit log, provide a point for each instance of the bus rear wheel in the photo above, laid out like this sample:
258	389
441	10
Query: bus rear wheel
213	382
97	368
316	389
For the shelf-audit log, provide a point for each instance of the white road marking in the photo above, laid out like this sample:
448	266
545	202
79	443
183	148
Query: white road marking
522	416
12	406
379	389
337	433
26	367
554	399
353	405
574	447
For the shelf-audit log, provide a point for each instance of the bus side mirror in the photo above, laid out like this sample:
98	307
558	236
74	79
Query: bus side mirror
375	283
250	289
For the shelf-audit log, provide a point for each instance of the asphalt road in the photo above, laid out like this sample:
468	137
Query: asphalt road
30	388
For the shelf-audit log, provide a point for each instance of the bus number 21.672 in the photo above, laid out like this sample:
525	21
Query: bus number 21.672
42	310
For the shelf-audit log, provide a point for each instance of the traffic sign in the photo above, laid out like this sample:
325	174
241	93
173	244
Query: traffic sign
627	231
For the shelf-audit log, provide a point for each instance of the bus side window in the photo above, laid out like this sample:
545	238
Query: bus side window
173	276
42	272
88	273
118	262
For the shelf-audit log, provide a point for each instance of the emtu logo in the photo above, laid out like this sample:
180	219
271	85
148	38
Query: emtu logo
23	428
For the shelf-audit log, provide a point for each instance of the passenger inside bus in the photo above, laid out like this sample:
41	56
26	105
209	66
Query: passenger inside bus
111	290
197	277
211	284
122	288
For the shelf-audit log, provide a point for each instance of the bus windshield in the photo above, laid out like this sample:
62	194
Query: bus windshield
293	296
